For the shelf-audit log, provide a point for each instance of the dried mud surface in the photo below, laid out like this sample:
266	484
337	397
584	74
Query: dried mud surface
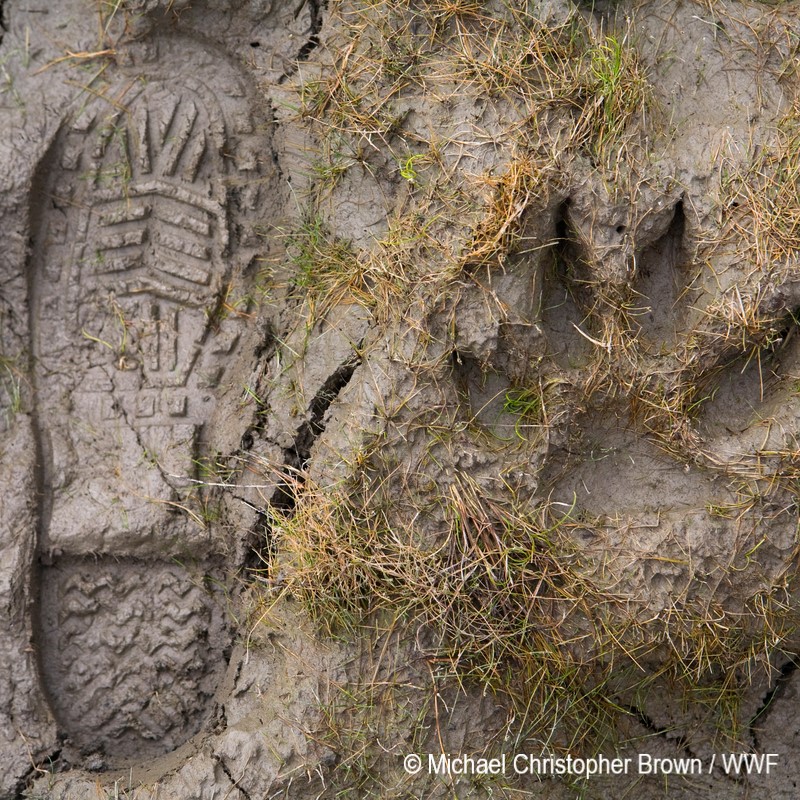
256	255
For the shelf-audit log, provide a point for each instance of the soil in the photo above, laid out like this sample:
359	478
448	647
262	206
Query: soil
256	254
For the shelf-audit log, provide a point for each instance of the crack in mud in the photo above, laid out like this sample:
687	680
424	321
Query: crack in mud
772	696
316	9
234	783
261	550
297	456
644	719
280	177
680	741
25	785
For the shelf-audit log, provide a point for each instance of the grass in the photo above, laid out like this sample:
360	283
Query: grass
407	168
475	590
506	600
757	231
759	203
11	380
591	86
324	266
429	531
527	404
620	89
355	716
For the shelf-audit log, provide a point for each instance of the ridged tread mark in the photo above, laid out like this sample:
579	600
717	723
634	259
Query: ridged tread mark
166	478
140	215
131	212
156	247
131	664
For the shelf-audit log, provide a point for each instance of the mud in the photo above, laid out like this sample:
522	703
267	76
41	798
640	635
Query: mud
112	632
230	277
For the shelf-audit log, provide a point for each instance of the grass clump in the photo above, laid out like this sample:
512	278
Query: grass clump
494	593
762	205
561	89
758	226
325	267
504	599
527	404
619	90
12	379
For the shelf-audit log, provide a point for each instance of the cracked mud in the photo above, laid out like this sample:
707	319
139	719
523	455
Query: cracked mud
331	318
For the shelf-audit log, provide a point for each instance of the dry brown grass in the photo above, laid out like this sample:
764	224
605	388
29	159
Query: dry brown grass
760	203
503	598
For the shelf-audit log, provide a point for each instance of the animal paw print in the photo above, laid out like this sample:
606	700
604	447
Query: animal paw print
663	414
